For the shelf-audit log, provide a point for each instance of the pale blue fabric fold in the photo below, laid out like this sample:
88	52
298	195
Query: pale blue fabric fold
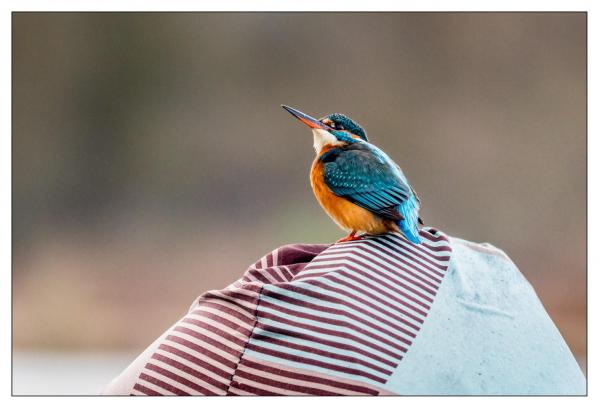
487	334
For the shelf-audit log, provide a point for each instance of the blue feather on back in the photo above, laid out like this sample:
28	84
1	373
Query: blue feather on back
366	176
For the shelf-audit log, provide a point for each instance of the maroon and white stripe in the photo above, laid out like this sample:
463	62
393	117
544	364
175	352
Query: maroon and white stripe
305	320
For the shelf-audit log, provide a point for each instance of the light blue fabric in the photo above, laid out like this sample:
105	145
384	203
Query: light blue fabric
487	333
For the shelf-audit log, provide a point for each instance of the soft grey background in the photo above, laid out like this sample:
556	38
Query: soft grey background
152	160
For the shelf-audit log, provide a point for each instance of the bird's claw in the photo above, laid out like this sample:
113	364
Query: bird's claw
351	237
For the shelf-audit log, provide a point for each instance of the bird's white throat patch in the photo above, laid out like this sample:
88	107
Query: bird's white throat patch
322	137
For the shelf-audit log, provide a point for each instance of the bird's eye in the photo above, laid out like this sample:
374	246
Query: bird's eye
339	126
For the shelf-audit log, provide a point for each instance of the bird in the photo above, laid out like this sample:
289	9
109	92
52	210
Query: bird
358	185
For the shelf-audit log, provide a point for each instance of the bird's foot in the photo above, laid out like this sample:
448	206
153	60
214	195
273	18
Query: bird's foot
351	237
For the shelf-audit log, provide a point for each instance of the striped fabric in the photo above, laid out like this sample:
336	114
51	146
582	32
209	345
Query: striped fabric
305	320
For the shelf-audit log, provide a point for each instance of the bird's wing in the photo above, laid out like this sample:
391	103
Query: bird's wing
366	176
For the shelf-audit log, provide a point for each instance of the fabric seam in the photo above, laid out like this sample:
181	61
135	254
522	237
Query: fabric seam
248	341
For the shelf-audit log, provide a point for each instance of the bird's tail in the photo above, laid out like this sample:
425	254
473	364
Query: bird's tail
410	232
409	224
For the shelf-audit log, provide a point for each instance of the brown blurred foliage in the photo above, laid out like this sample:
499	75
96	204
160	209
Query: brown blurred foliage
152	161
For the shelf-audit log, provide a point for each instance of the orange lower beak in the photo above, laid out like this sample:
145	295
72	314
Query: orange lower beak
306	119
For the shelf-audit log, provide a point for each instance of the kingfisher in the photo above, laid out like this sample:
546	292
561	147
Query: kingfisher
358	184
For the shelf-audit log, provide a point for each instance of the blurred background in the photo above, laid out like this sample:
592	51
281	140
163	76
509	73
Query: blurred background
152	161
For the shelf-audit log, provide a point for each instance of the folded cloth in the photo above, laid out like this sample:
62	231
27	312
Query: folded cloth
377	316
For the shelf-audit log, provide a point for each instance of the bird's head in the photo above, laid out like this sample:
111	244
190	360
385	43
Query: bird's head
335	129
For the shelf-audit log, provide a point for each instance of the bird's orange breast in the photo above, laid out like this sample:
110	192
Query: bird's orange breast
346	214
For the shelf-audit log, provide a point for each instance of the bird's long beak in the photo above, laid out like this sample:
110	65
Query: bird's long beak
306	119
